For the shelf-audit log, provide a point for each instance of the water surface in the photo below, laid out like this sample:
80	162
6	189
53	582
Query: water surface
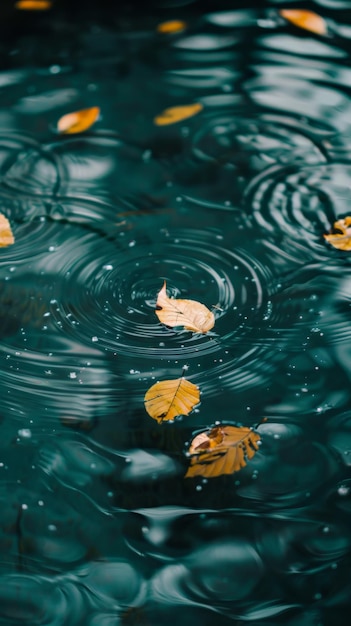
99	526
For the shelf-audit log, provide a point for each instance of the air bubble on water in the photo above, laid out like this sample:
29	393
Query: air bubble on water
52	248
54	69
110	494
25	433
317	596
40	503
162	344
326	529
94	339
343	490
144	529
107	267
52	528
198	488
132	243
24	507
73	375
146	156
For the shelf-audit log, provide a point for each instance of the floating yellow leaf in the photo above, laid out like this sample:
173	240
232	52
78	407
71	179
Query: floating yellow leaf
190	314
308	20
341	239
177	114
78	121
221	450
33	5
6	235
172	26
169	398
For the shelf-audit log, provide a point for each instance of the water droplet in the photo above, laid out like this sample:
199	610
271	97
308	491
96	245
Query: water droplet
26	433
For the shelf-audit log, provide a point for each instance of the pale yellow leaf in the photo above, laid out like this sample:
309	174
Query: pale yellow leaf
190	314
33	5
78	121
221	450
342	238
172	26
169	398
308	20
177	114
6	235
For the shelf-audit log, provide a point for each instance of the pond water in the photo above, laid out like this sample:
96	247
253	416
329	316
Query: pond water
99	525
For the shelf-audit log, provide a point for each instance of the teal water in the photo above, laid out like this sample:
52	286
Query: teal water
99	525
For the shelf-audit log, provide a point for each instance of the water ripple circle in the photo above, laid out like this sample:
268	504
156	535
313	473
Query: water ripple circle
228	147
302	204
117	288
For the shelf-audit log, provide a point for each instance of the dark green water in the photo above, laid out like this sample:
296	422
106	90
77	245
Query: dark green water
99	527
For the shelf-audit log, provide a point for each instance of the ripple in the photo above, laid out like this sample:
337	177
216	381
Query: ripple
302	204
111	585
230	147
97	166
306	466
121	289
219	576
37	599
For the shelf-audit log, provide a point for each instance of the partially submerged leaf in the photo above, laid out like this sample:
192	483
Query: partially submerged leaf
169	398
172	26
78	121
177	114
221	450
6	235
341	237
308	20
33	5
188	313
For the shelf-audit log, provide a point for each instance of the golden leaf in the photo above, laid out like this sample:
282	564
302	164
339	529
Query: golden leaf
342	239
308	20
222	450
169	398
188	313
172	26
78	121
177	114
6	235
33	5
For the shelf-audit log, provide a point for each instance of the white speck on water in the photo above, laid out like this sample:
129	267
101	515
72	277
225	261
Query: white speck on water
94	339
54	69
52	248
26	433
107	267
72	375
343	490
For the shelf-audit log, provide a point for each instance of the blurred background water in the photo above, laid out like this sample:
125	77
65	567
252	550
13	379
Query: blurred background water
99	527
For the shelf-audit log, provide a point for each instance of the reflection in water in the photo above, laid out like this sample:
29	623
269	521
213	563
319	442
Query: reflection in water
229	206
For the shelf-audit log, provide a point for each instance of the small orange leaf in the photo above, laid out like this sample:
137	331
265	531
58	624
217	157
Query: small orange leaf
177	114
169	398
78	121
341	239
33	5
308	20
190	314
6	235
172	26
221	450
